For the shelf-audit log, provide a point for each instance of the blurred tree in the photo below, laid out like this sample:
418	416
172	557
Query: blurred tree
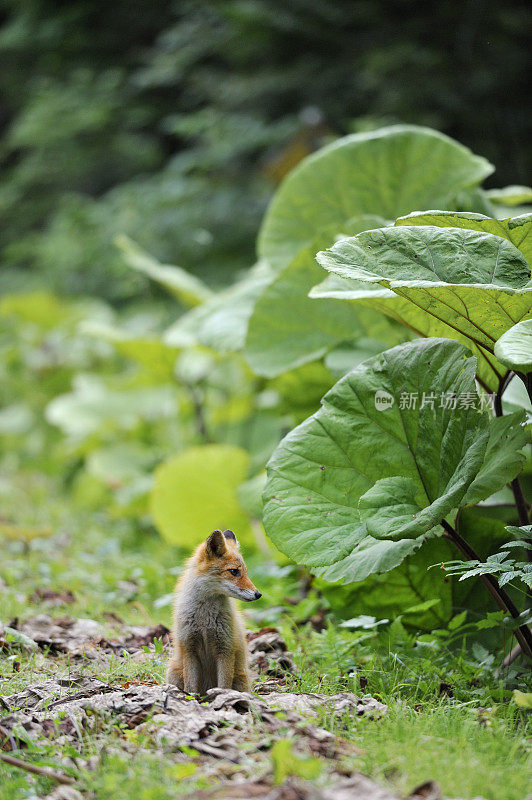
170	120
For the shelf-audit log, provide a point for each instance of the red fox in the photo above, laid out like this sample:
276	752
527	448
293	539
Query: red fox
208	634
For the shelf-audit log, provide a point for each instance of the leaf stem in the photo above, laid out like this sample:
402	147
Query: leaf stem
199	415
526	377
503	600
515	485
503	383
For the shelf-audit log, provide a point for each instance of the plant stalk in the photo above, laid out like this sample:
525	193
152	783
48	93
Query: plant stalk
526	377
515	485
503	600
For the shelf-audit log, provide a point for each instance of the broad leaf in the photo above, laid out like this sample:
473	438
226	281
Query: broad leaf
510	195
120	463
300	390
222	322
393	507
428	254
514	348
518	230
405	461
503	457
95	406
156	357
388	172
450	282
346	356
288	329
409	585
196	492
523	699
182	284
403	311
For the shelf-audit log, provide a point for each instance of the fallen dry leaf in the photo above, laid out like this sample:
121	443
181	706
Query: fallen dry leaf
86	637
52	598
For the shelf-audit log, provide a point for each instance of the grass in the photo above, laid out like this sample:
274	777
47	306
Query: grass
468	753
450	714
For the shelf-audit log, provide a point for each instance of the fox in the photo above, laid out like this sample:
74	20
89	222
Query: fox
209	644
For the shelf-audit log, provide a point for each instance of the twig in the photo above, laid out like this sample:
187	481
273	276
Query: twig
45	772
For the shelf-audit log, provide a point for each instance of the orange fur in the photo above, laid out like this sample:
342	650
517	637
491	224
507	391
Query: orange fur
208	634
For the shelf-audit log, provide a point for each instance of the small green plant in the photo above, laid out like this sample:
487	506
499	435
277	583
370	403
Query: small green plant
286	763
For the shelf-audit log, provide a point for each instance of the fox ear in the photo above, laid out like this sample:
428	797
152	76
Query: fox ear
216	544
230	535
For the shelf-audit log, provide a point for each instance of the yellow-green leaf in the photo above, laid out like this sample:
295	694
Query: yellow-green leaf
197	491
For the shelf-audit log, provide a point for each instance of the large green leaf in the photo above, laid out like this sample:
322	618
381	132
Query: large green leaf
97	406
402	310
514	348
414	466
464	284
156	357
503	457
510	195
388	172
518	230
196	492
288	329
222	322
182	284
428	254
409	586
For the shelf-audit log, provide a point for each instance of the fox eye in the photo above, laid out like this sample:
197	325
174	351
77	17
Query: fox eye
235	572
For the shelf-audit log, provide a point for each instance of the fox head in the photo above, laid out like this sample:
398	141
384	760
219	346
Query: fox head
222	560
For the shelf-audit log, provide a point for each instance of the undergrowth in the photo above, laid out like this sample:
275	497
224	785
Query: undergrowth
450	715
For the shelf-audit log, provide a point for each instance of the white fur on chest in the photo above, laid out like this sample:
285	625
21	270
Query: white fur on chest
203	614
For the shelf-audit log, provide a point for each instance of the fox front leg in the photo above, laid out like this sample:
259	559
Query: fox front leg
174	673
241	675
225	666
191	674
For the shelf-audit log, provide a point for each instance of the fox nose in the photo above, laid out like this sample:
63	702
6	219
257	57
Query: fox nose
257	595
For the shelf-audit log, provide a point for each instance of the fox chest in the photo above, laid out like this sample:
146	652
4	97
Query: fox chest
206	627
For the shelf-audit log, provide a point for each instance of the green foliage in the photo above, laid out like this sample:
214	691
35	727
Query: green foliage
172	421
287	763
361	485
501	563
195	492
514	348
387	173
457	283
221	323
518	230
356	488
448	703
186	288
288	329
174	123
523	699
510	195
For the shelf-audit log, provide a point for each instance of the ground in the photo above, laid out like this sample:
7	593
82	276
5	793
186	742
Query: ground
404	711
